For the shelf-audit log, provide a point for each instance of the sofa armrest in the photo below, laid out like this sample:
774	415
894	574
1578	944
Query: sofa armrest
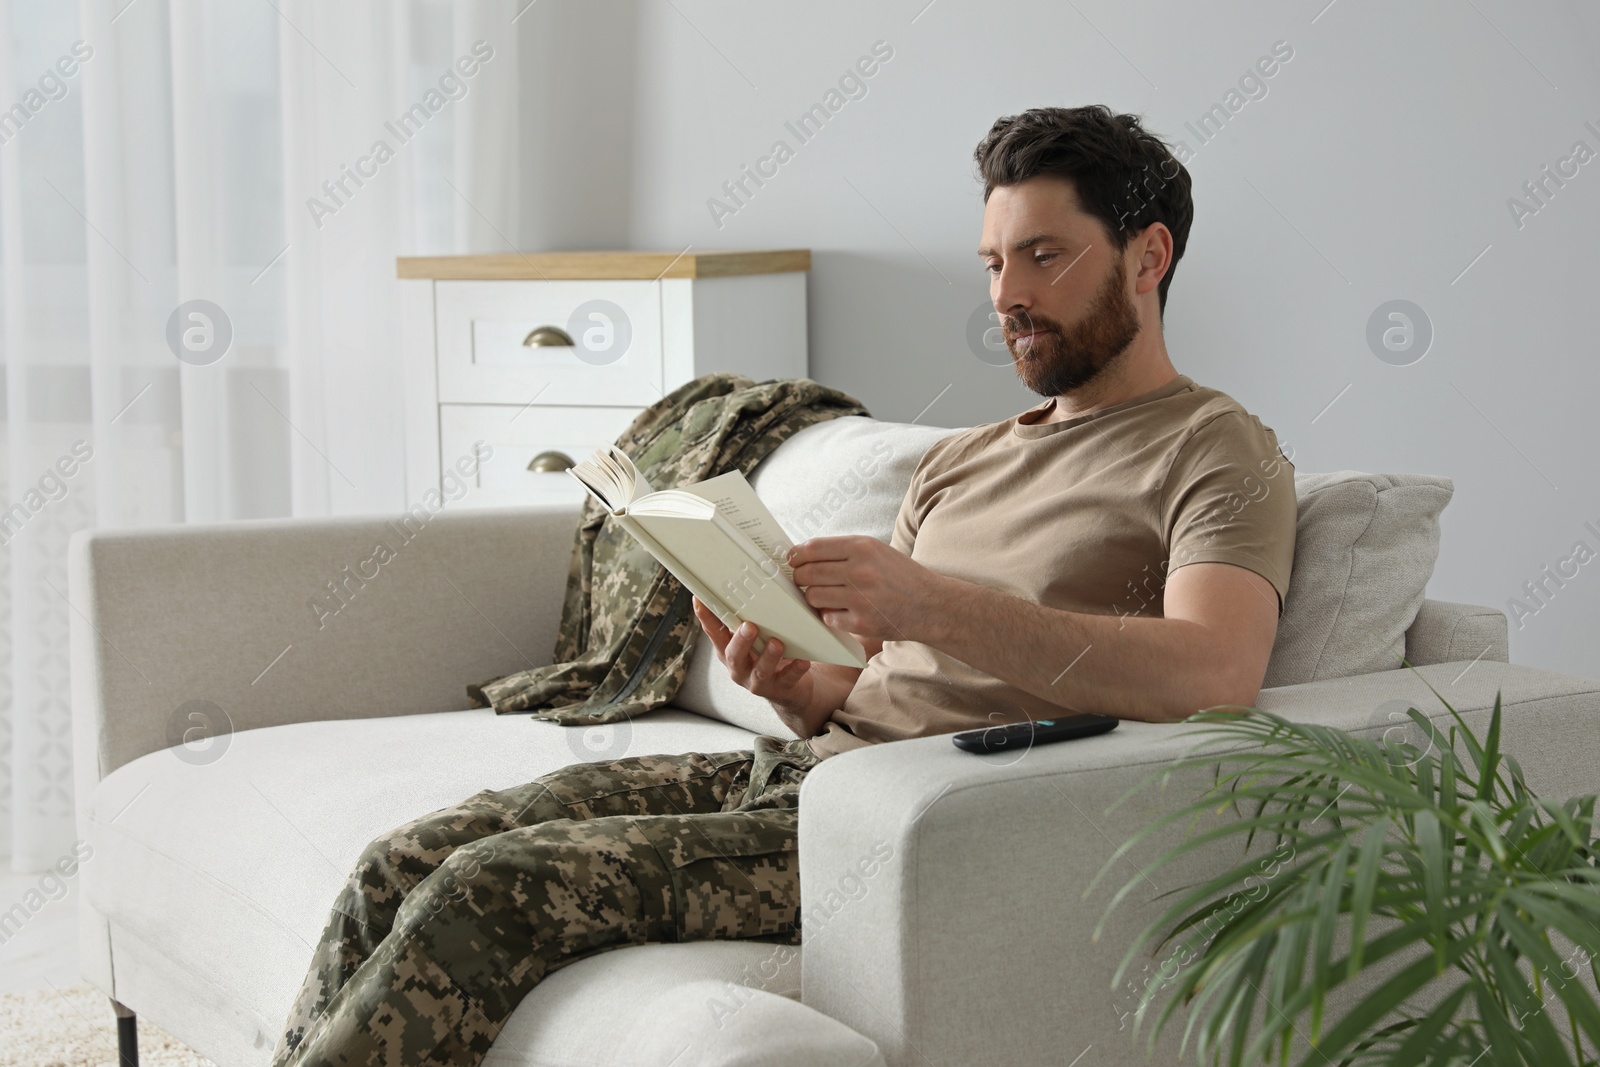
286	621
944	906
712	1023
1444	632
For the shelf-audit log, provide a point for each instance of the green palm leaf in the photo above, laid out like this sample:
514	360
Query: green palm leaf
1445	875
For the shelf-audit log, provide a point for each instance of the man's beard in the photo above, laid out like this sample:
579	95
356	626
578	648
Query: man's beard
1063	360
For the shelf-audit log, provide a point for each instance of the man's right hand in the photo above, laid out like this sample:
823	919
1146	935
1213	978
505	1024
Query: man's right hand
786	683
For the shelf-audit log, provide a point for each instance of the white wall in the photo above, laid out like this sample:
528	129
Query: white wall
1378	166
576	69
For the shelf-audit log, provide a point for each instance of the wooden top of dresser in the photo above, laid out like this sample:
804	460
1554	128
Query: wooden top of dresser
588	266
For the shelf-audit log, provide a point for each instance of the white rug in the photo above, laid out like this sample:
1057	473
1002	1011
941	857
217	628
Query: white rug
76	1028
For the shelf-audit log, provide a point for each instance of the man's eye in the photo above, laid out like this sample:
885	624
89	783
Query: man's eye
1044	257
992	268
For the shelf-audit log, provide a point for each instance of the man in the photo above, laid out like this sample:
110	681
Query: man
1028	561
1121	548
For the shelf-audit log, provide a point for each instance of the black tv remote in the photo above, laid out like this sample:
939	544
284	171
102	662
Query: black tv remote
1023	735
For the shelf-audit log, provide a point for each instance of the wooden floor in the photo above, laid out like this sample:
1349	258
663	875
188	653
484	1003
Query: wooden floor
44	950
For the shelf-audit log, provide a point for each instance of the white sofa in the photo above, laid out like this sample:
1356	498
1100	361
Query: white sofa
945	917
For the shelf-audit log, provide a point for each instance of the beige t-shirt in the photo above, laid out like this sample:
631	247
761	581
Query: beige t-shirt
1089	514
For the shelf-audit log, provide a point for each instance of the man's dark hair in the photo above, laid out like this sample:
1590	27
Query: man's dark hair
1125	176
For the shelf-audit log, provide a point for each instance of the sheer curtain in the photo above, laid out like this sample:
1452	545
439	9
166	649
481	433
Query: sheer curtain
200	206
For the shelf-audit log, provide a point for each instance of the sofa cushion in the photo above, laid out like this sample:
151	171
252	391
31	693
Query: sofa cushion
1365	545
225	871
843	476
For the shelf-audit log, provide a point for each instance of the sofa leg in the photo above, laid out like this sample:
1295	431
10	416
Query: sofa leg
127	1036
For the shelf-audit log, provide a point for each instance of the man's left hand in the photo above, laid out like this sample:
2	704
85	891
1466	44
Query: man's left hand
868	588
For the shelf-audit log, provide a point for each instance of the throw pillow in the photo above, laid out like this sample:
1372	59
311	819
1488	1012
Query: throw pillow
1365	547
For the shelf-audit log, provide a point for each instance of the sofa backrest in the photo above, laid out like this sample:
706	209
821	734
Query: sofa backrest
1365	549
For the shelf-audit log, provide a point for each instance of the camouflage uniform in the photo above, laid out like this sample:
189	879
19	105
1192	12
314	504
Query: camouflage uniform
449	921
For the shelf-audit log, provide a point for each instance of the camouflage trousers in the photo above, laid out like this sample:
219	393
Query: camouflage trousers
447	922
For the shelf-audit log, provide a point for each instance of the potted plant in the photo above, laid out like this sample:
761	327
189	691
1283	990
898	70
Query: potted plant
1451	914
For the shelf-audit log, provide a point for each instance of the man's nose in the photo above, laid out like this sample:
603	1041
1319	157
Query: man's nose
1011	295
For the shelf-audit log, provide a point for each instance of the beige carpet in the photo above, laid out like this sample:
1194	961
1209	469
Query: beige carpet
75	1028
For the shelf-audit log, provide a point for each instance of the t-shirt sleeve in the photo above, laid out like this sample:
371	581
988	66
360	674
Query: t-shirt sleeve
905	523
1229	498
912	505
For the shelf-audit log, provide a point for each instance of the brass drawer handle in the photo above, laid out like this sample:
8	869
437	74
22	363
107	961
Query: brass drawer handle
547	337
551	462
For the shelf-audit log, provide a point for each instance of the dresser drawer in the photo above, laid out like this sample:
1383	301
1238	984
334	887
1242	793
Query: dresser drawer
516	433
481	325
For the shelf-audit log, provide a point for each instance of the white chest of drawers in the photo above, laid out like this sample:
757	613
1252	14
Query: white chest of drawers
556	352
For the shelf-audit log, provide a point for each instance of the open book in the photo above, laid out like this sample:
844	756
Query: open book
725	546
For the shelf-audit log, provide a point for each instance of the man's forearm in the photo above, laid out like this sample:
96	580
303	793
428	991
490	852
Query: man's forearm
1149	669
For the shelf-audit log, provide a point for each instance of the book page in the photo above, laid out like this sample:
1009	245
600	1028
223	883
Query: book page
611	478
736	498
637	486
712	560
722	543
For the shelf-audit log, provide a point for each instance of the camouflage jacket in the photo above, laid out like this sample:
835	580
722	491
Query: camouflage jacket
627	631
